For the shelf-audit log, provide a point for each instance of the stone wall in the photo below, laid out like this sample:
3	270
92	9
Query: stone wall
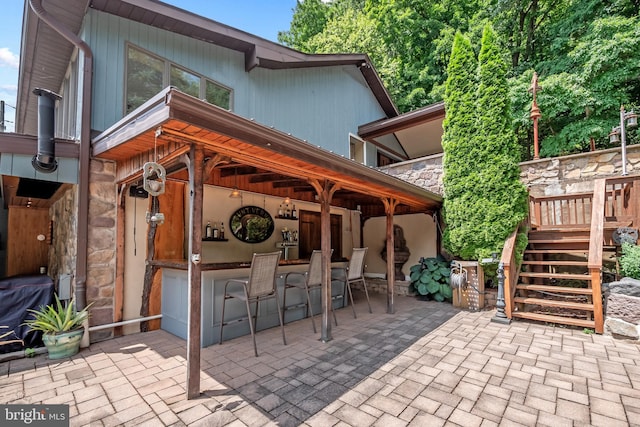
63	250
101	245
576	173
425	172
622	308
558	175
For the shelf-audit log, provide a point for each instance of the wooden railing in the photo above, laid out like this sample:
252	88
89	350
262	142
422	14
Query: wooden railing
620	203
596	243
511	272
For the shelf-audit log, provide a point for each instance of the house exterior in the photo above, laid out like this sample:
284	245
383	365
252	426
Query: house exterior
141	82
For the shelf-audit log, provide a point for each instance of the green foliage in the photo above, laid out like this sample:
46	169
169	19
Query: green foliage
630	261
431	278
484	198
29	352
55	318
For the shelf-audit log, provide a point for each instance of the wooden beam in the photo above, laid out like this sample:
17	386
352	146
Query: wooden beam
194	322
325	192
389	207
118	293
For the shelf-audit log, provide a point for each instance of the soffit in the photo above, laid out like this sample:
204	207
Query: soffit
44	56
419	132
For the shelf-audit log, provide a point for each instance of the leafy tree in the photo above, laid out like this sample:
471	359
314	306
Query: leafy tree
484	198
309	19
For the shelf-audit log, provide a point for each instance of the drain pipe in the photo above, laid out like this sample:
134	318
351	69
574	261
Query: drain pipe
45	159
85	149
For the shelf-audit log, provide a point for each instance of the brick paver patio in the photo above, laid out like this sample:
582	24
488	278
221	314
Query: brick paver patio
426	365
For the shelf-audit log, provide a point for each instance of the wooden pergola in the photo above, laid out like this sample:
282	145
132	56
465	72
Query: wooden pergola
205	144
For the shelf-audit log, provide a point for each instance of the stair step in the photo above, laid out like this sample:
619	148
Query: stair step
554	289
568	263
556	251
548	318
554	303
563	240
556	275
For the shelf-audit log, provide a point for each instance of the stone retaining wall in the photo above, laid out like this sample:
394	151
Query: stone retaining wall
558	175
622	308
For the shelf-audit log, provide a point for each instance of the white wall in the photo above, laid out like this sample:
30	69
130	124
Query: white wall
419	232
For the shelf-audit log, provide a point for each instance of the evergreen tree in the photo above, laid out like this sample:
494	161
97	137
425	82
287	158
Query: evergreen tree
484	198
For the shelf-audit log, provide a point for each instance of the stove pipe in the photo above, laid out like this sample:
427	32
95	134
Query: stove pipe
45	159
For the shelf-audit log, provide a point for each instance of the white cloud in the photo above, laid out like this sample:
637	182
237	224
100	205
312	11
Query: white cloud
8	58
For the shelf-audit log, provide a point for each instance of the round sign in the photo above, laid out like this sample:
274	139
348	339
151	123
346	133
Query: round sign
251	224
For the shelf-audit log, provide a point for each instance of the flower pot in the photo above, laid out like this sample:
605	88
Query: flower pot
63	344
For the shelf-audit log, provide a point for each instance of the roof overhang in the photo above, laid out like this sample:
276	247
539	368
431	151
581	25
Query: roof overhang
419	132
163	128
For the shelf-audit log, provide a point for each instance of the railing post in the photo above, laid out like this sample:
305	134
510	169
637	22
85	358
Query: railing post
500	316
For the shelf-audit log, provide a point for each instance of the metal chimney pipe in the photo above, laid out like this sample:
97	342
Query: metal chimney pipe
45	158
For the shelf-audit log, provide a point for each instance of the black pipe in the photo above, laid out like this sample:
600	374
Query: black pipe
45	158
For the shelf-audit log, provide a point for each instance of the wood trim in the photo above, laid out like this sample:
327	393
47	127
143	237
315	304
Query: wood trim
118	293
14	143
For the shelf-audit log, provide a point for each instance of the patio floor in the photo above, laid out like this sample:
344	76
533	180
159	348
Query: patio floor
427	365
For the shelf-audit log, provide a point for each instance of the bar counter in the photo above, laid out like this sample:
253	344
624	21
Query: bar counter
175	280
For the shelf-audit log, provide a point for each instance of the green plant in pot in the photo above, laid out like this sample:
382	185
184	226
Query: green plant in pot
430	279
61	326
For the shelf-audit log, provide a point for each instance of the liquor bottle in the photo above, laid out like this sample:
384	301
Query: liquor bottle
222	230
294	213
208	232
280	211
287	212
215	230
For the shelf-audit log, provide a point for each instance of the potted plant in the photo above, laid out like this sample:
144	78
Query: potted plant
61	326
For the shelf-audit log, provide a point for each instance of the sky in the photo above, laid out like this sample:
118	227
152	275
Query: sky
264	18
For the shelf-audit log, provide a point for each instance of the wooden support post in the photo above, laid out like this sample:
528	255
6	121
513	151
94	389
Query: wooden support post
325	193
389	207
195	166
118	293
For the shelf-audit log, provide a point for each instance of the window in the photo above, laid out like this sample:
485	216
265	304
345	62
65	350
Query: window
147	75
144	77
185	81
384	160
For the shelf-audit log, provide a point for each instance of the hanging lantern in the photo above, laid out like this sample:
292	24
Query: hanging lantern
614	136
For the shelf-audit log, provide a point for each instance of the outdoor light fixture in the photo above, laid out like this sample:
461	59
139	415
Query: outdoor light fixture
619	134
235	193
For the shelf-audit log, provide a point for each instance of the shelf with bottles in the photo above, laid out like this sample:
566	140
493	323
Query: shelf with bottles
214	234
285	211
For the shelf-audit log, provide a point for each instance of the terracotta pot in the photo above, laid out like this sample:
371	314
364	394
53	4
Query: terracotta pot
63	344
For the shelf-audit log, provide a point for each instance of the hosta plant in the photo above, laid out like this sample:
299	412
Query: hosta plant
430	278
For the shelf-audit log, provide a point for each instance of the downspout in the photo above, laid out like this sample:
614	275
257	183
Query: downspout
85	149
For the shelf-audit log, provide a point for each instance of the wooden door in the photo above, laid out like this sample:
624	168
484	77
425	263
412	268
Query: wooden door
25	253
309	239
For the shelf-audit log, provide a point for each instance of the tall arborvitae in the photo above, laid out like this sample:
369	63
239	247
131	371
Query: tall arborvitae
457	140
484	198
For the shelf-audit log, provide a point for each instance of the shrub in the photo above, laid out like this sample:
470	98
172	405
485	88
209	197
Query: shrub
430	278
630	261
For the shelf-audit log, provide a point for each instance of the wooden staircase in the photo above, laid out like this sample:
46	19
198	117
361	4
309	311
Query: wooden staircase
559	279
554	283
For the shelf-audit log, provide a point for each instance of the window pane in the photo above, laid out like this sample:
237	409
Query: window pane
218	95
144	77
185	82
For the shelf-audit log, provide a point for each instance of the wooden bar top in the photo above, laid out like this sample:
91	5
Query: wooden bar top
181	264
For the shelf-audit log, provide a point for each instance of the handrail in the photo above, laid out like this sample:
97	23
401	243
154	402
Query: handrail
511	271
596	243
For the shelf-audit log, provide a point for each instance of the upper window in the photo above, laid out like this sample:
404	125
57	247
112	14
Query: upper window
148	74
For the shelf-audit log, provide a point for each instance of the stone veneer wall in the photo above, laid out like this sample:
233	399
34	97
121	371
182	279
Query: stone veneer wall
63	250
101	244
101	257
558	175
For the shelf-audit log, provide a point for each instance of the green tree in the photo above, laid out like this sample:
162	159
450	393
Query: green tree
309	19
484	198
